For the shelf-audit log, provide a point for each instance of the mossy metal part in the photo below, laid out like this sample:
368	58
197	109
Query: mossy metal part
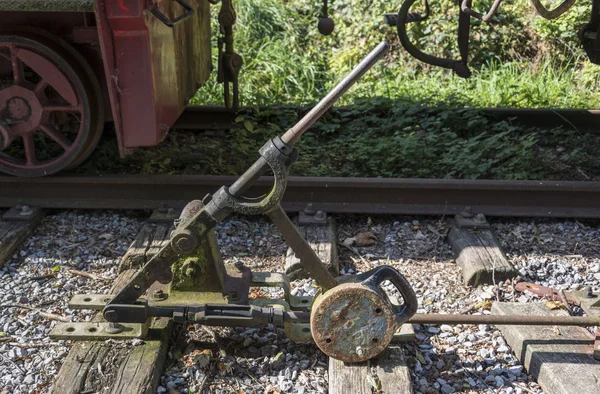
352	322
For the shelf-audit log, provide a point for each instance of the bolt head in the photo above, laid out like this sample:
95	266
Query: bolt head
111	316
360	351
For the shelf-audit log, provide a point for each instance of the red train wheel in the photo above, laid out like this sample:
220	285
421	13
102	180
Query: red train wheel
44	108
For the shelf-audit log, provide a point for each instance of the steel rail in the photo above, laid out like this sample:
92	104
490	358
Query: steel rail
584	120
334	195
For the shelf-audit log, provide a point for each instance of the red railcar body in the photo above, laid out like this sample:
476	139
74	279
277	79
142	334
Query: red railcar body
139	66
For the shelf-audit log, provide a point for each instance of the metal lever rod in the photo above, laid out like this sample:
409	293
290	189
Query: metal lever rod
291	136
294	134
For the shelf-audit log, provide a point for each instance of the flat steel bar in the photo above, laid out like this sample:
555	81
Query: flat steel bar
512	320
334	195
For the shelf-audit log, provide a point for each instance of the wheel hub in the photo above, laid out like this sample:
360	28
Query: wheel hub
20	109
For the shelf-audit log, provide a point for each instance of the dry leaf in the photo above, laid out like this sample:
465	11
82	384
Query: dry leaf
487	304
552	305
365	239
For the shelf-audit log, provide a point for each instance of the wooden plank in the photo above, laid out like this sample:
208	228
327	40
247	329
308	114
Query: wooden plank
558	357
406	333
388	372
13	234
118	367
323	240
151	238
392	371
480	257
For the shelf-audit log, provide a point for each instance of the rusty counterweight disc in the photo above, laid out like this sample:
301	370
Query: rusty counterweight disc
352	323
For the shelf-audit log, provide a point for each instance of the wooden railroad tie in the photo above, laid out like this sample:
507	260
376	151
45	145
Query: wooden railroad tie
559	358
477	252
94	365
15	227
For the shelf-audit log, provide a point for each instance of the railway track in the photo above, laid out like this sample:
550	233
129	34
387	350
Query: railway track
334	195
584	120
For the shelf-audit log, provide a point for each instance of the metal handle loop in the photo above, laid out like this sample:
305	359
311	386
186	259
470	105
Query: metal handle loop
551	14
459	67
465	7
189	12
376	276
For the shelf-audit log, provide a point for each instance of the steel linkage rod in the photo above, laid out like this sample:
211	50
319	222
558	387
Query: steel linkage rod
525	320
508	320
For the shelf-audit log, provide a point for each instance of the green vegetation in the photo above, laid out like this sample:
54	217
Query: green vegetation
518	60
406	119
376	137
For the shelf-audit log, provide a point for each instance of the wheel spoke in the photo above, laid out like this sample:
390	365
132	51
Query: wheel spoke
56	135
29	146
17	66
62	108
39	88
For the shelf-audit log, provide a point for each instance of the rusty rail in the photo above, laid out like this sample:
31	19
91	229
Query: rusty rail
584	120
334	195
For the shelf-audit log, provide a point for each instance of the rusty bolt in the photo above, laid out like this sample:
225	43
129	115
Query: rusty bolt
190	271
360	351
310	209
479	218
320	215
114	328
467	212
159	295
184	241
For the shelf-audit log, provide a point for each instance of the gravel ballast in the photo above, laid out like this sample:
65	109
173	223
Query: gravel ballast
444	359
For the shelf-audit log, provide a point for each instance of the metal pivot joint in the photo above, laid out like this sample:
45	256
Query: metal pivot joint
278	156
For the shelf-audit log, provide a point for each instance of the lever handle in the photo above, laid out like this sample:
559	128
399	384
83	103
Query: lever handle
377	276
189	11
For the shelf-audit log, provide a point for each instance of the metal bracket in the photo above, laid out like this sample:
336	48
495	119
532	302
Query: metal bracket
311	216
89	331
474	222
22	213
164	215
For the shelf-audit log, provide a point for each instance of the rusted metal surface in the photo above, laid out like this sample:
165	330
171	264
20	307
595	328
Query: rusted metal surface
54	101
544	291
554	13
352	323
151	74
308	258
584	120
515	320
333	195
355	321
48	5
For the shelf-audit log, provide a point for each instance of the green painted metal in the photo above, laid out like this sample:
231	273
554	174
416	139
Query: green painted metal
48	5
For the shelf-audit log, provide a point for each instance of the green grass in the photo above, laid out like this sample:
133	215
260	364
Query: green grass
520	60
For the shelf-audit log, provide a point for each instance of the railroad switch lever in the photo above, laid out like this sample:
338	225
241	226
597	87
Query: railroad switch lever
192	268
